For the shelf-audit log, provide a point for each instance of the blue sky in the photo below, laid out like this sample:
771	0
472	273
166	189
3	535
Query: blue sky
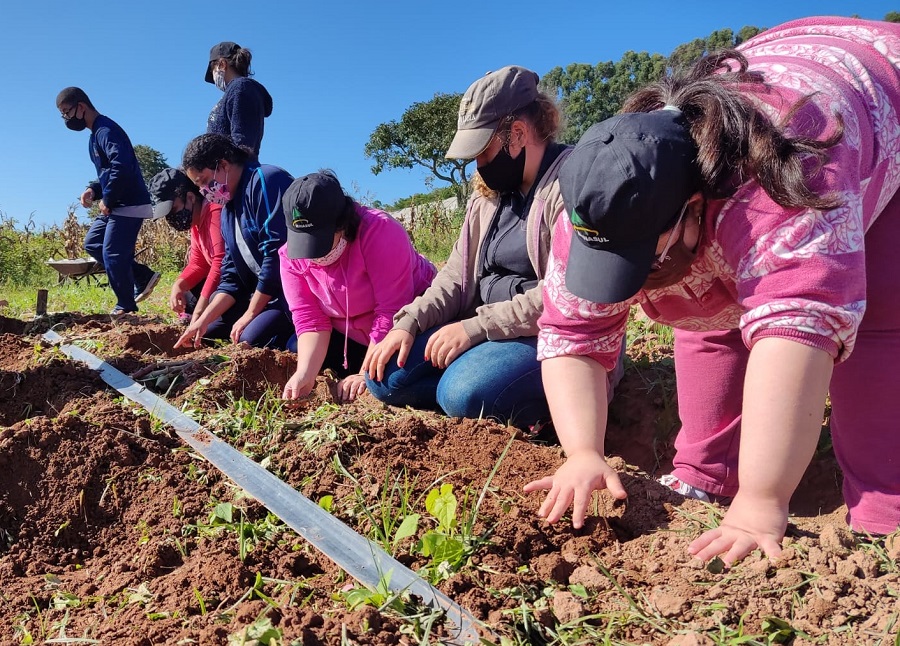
335	70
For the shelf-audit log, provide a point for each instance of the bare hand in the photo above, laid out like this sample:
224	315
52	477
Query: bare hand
87	198
572	485
177	300
447	344
193	335
377	357
349	388
749	523
298	387
104	209
238	328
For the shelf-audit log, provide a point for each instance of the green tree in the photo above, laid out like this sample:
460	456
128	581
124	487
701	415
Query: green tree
592	93
421	138
150	160
892	16
687	53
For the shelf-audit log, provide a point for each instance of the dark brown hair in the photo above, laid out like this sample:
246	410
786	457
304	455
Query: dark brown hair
349	219
735	140
240	61
206	151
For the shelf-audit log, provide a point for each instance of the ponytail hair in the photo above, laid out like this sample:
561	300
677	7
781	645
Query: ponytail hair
736	141
240	61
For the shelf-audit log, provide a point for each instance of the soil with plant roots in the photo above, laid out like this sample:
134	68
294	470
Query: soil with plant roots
112	530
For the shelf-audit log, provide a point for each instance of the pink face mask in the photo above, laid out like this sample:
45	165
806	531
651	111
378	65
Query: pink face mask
332	256
216	192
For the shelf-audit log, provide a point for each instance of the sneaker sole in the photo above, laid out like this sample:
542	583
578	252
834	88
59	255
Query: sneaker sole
148	289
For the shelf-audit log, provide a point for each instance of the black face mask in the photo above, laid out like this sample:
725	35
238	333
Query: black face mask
503	173
181	220
76	124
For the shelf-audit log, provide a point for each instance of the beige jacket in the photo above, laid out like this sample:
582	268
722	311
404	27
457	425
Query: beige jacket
454	293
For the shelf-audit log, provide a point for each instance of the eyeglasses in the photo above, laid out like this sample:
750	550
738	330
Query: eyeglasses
65	113
661	258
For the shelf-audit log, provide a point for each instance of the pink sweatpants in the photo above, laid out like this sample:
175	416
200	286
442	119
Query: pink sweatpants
865	397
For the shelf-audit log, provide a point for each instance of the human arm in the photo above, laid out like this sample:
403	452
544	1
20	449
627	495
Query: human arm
258	302
784	395
311	350
193	336
576	393
262	203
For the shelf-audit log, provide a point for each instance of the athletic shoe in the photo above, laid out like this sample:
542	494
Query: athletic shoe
147	289
683	488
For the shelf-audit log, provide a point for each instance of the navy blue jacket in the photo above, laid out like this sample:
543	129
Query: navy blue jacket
256	205
240	112
119	178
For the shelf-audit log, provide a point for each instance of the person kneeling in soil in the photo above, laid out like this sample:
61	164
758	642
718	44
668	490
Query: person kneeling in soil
177	199
253	230
468	344
736	204
346	270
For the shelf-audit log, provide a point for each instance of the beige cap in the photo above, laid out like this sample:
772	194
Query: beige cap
488	100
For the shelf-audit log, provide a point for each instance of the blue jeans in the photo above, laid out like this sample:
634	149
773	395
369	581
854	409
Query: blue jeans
499	380
110	241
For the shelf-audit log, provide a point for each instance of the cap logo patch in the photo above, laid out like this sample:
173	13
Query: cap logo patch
585	232
298	221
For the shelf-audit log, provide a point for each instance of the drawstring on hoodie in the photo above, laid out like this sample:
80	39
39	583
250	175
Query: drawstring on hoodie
346	315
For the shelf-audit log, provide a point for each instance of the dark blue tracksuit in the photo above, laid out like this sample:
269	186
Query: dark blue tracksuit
111	238
240	112
256	207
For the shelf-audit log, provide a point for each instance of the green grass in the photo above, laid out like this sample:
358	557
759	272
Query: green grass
82	297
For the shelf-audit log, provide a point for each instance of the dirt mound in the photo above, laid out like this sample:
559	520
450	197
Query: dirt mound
111	530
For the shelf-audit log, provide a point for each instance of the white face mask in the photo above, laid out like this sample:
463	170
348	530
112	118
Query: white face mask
332	256
219	79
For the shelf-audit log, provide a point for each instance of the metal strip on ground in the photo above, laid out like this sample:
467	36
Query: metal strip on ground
362	559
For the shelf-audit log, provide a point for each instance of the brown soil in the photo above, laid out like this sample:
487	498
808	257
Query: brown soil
105	516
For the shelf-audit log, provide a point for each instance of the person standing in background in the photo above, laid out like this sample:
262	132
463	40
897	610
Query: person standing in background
123	198
241	112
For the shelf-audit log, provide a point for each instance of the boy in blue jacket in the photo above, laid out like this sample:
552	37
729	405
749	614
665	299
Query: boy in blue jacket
123	196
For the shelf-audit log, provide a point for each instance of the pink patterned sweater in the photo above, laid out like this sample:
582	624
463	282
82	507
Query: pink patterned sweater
772	271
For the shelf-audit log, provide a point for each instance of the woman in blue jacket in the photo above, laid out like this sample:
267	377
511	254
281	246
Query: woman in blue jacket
253	228
240	112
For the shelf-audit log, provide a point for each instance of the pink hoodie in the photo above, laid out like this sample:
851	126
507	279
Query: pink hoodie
763	268
358	295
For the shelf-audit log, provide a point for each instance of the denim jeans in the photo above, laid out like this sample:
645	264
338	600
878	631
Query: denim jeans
110	241
499	380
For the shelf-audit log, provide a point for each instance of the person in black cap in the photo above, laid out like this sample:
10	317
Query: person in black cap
468	344
346	270
245	104
177	199
122	197
253	229
734	202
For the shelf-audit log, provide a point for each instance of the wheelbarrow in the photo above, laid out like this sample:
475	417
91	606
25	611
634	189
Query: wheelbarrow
77	269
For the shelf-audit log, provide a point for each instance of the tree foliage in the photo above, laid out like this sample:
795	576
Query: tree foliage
421	138
892	16
591	93
150	160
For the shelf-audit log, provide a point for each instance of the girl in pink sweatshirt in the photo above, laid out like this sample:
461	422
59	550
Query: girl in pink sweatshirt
346	270
753	205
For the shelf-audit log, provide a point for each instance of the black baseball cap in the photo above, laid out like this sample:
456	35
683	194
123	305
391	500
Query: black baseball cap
488	100
222	50
163	187
623	185
312	205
